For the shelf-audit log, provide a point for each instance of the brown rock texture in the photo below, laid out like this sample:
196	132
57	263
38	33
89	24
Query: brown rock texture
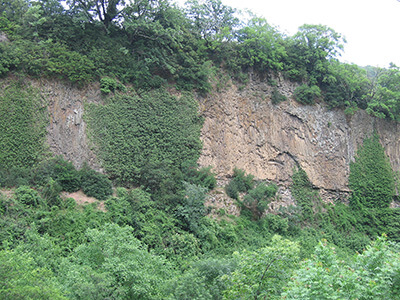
66	132
244	129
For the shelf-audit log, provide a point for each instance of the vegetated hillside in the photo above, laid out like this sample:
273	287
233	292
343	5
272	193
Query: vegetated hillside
137	91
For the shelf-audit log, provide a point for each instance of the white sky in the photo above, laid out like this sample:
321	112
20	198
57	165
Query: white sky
371	27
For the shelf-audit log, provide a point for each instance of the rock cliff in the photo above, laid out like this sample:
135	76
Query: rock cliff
243	129
66	132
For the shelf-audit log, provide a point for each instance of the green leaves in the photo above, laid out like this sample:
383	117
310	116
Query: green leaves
261	46
119	266
22	278
136	132
370	275
263	272
371	177
23	120
307	94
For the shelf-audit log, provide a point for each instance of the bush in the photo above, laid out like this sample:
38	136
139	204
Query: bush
203	177
109	85
307	94
239	184
277	97
60	170
95	184
257	199
51	193
27	196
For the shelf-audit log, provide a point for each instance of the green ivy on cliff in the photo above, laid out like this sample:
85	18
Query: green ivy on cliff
371	177
23	120
140	132
306	197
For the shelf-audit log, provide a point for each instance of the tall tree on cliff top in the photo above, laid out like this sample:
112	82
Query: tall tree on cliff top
212	20
105	11
312	47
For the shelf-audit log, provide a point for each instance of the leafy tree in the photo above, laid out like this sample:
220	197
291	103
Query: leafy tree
106	11
264	272
261	46
385	94
311	48
22	278
348	86
193	209
372	275
371	177
114	264
211	19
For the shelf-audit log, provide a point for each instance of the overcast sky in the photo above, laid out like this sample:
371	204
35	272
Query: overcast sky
371	27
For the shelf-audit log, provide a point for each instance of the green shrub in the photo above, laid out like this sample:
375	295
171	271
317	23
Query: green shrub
277	97
240	183
27	196
307	94
60	170
109	85
257	199
203	176
275	223
95	184
51	193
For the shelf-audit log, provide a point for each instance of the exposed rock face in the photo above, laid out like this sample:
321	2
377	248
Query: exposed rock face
67	129
244	129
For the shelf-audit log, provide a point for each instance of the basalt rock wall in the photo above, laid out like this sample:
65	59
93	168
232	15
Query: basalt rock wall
244	129
66	131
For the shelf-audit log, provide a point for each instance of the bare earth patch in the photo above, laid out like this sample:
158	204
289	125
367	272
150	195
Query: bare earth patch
7	193
81	199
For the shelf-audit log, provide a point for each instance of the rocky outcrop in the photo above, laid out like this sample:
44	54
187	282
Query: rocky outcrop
66	132
244	129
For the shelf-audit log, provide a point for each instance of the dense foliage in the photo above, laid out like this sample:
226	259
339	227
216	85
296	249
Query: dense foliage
152	235
141	136
371	177
23	120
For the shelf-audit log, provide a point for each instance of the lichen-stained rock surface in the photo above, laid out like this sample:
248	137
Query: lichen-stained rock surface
244	129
